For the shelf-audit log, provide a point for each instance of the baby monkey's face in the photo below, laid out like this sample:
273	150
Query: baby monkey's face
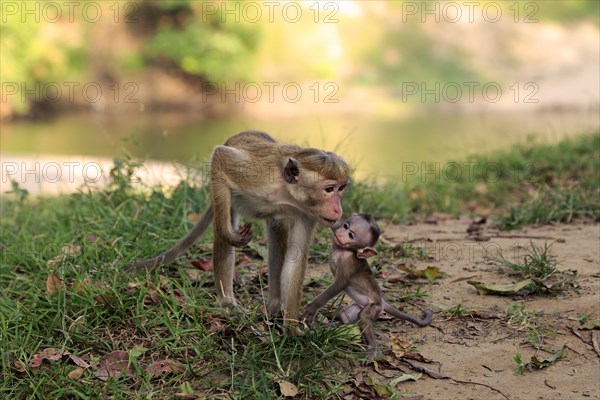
354	233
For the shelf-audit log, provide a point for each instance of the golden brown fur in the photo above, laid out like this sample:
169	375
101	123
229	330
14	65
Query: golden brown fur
290	187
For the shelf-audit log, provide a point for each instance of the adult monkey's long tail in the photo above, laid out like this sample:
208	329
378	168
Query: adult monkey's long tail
185	242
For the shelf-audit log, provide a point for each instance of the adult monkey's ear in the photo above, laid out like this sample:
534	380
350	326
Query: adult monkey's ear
291	172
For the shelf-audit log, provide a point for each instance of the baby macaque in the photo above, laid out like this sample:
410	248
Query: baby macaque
353	243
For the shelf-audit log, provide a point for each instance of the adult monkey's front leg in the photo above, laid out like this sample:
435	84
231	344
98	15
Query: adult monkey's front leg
294	266
277	239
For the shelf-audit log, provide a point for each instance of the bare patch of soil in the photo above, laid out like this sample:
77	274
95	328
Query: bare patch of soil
479	345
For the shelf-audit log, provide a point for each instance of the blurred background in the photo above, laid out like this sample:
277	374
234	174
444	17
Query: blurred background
381	82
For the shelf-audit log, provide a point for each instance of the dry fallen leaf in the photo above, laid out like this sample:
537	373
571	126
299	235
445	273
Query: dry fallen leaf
20	366
506	290
406	377
78	324
205	265
92	238
67	250
153	298
79	361
114	365
159	368
51	354
381	389
194	275
88	283
399	347
430	273
76	374
53	284
287	389
193	217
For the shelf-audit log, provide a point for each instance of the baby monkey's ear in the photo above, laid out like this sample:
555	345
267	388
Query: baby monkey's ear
366	253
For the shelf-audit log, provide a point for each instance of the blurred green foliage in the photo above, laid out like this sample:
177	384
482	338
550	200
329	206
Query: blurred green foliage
31	55
205	44
379	47
562	11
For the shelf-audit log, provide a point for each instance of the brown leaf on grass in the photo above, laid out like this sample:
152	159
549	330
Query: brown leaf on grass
67	250
20	366
88	283
153	298
193	217
114	365
287	389
92	238
205	265
76	374
78	324
51	354
178	295
79	361
159	368
194	275
53	284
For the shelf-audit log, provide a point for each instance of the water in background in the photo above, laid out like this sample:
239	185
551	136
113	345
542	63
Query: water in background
378	148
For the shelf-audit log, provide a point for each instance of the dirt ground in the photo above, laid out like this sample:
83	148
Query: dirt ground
480	346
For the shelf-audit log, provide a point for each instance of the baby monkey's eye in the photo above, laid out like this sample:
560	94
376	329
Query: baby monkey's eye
351	234
345	226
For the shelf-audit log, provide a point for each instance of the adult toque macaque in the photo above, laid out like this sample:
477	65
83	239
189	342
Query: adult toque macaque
290	187
353	243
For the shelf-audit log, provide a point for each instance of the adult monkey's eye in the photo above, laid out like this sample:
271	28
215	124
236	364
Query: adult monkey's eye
342	188
329	189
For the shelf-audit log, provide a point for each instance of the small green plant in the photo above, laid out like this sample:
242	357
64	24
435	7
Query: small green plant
538	270
122	174
518	315
409	250
584	318
420	293
537	263
458	311
535	337
521	365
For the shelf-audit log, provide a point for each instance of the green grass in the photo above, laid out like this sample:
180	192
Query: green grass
531	183
86	237
540	267
100	309
537	263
